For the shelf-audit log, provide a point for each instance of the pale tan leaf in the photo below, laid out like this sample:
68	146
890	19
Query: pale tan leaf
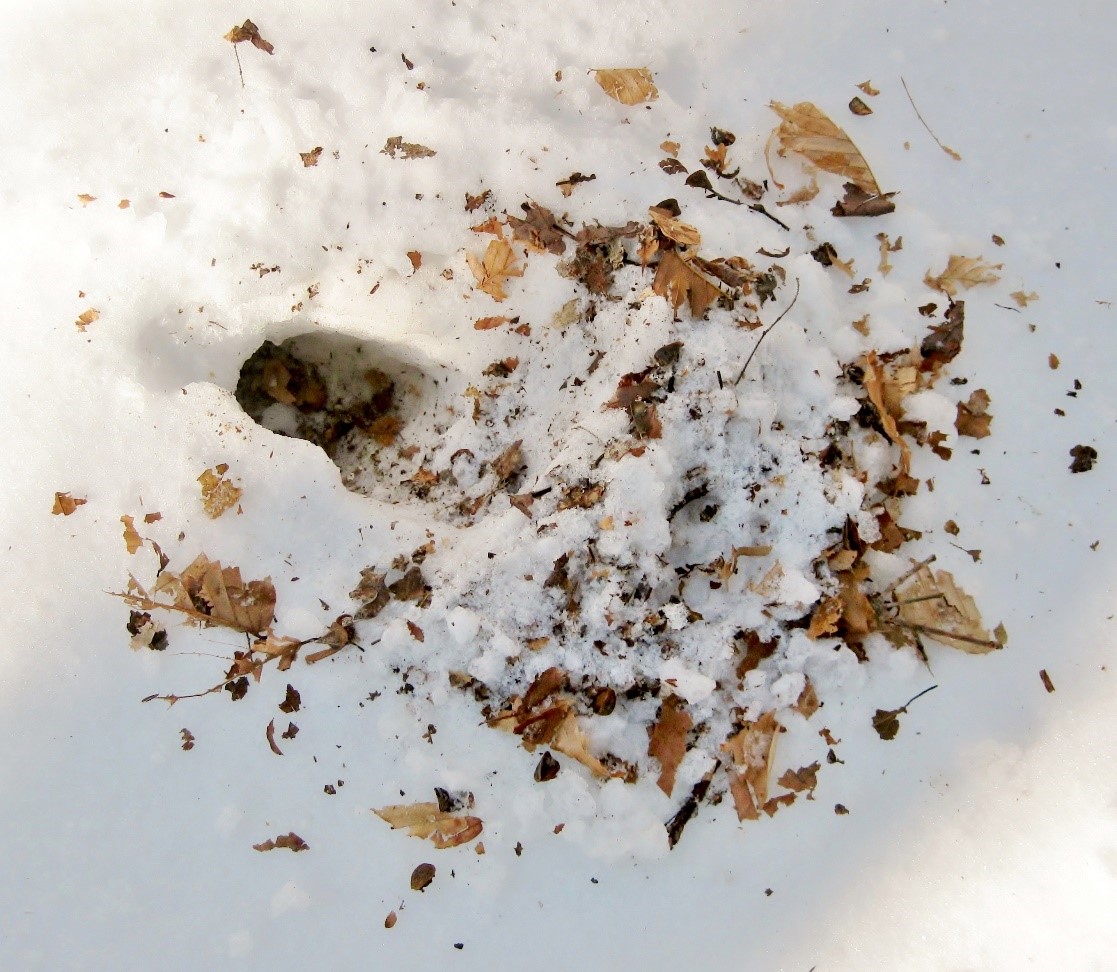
396	148
751	750
218	494
961	273
973	418
825	619
808	131
874	383
571	740
674	229
426	821
132	540
87	317
629	86
934	605
65	504
1022	299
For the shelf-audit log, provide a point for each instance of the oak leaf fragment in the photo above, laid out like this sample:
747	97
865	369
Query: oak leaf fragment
65	504
961	273
808	131
675	281
674	228
803	779
212	594
751	750
629	86
427	821
667	743
494	268
311	158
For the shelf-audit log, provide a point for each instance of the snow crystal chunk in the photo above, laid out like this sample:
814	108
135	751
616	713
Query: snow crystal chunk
676	615
464	625
692	686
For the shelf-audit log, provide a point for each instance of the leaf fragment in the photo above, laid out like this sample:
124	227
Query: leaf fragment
751	749
961	273
132	540
427	821
218	494
422	877
395	147
87	317
311	158
65	504
675	281
933	604
973	418
667	743
629	86
290	841
248	31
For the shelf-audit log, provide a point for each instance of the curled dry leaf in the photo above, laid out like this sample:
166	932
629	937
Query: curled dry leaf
87	317
248	31
961	273
673	228
875	384
494	268
311	158
629	86
571	740
808	131
426	821
857	202
973	417
667	743
933	604
422	877
218	494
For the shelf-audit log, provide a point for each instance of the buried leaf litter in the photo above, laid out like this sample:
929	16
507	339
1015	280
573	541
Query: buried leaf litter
650	535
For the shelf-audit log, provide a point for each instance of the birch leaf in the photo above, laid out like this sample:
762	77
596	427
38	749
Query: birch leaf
809	132
629	86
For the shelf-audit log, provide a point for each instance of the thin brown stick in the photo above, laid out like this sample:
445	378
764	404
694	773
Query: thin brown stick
239	71
767	330
946	148
943	633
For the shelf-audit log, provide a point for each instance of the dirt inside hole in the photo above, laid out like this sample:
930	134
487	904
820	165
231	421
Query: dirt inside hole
353	399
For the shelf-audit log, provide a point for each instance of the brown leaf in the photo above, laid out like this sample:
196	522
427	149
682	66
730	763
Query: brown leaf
217	595
410	587
488	323
973	417
629	86
292	701
858	107
476	202
571	740
416	631
422	877
85	199
311	158
425	820
824	620
1045	678
804	779
961	273
248	31
416	259
867	88
809	132
539	230
667	743
396	147
290	841
857	202
270	734
1022	299
886	722
132	540
390	920
187	739
372	592
566	186
807	704
543	686
509	462
673	228
676	282
218	494
65	504
494	268
874	383
87	317
944	341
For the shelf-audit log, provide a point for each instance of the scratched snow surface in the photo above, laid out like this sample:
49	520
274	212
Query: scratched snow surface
142	180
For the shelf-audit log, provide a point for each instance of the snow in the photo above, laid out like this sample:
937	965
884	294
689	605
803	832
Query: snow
984	836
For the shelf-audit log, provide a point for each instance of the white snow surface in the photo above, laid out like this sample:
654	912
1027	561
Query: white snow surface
983	837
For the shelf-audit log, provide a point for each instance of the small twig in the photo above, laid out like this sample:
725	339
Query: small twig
903	578
239	71
766	332
918	695
943	633
757	208
946	148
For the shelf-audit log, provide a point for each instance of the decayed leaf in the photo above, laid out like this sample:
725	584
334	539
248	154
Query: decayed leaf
218	494
372	592
291	841
1083	458
667	743
87	317
751	750
571	740
804	779
488	323
494	268
629	86
65	504
932	604
539	229
213	594
807	704
422	877
187	739
809	132
509	462
395	147
132	540
269	733
475	202
676	282
973	417
248	31
944	341
1022	299
857	202
824	620
867	87
425	820
874	383
961	273
311	158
